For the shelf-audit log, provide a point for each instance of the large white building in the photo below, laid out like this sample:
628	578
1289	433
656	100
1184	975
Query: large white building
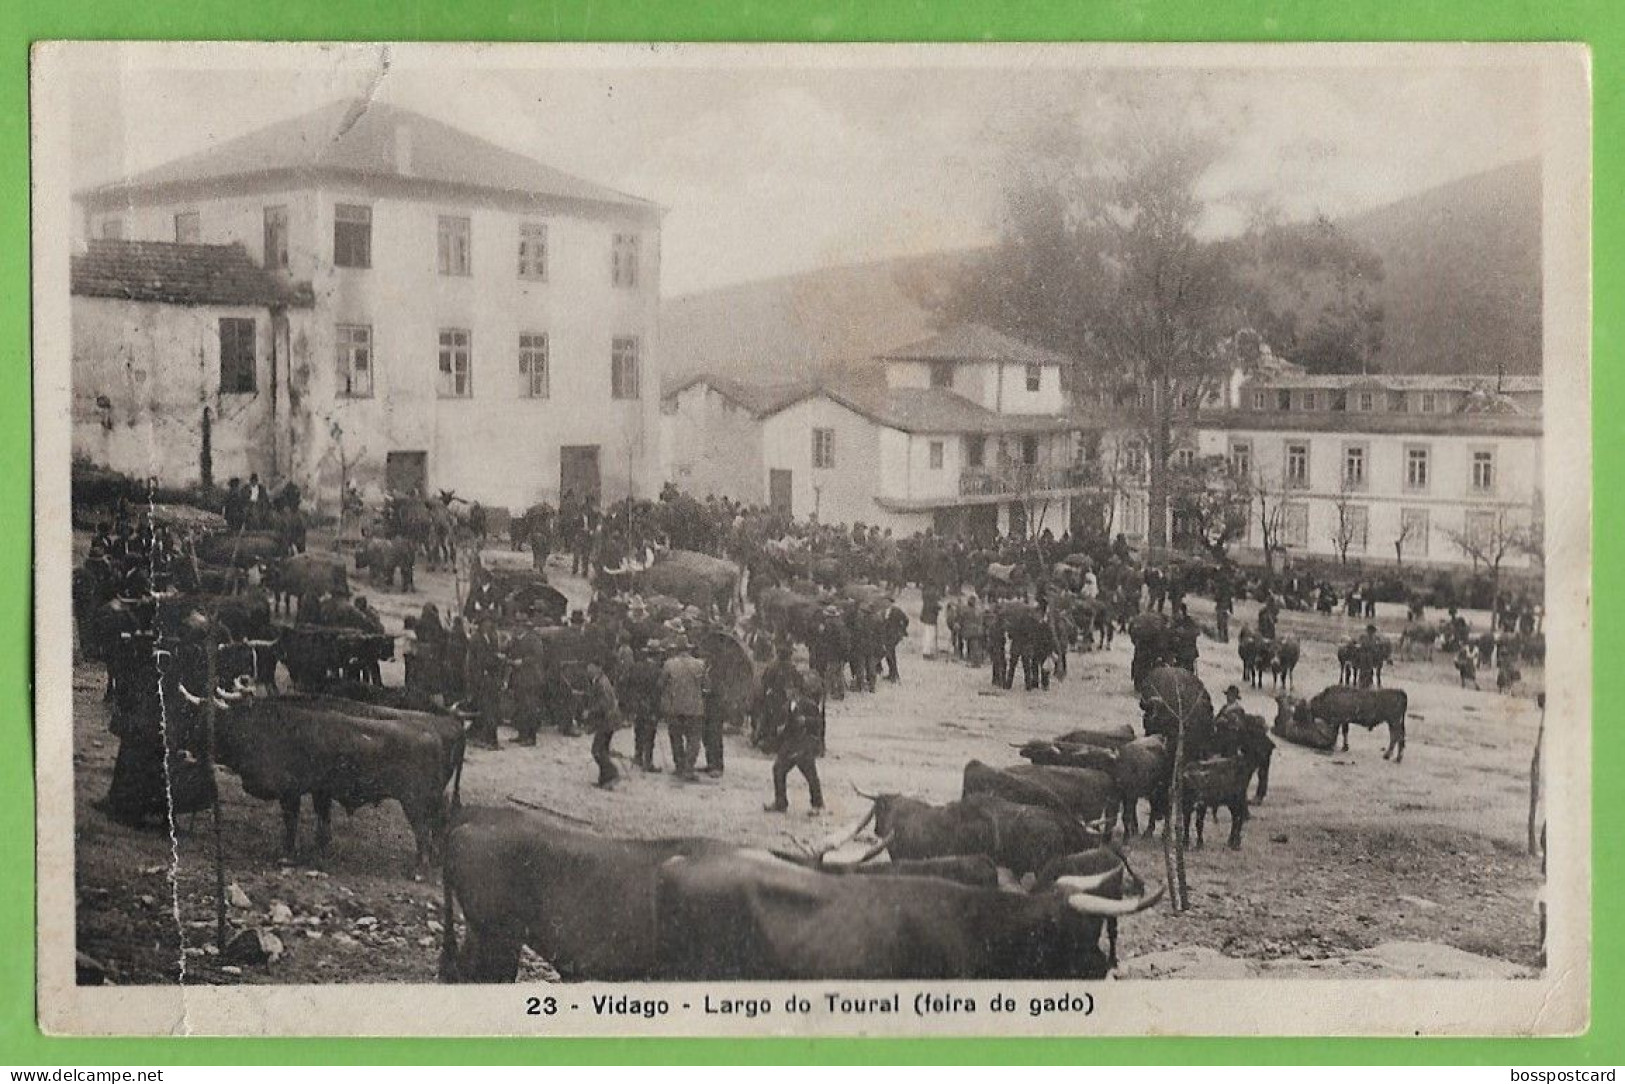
1435	469
479	322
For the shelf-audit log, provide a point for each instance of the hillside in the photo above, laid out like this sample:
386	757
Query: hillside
1461	289
787	328
1461	274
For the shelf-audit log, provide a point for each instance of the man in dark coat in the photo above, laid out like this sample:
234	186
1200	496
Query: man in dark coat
486	669
894	626
638	685
800	746
603	716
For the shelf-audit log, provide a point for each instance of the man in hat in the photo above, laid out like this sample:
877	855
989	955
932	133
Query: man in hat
603	715
801	743
638	686
1232	713
682	702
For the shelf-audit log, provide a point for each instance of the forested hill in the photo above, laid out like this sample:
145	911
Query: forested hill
1461	293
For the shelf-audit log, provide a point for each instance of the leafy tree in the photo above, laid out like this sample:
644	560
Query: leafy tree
1106	256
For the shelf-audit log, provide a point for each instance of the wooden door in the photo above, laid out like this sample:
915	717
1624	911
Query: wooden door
578	471
407	472
779	492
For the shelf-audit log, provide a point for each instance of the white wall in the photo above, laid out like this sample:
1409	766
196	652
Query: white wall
844	493
497	447
715	447
1448	497
157	367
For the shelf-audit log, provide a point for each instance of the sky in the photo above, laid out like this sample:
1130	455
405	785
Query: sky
774	164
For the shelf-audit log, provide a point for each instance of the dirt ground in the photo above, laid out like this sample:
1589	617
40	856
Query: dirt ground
1352	866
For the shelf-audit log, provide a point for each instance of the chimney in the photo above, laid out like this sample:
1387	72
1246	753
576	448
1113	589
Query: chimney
403	150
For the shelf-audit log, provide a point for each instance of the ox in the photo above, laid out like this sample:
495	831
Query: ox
1293	723
1340	706
284	748
1020	838
1088	795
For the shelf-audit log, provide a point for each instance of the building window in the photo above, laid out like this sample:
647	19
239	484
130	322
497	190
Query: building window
1397	402
1355	523
975	452
1295	524
456	245
236	356
1241	458
533	364
1029	451
1483	472
1311	400
1413	527
1430	402
1261	400
1283	399
276	238
823	449
532	250
942	374
624	266
1297	465
352	235
1354	466
1134	460
456	368
1416	469
188	228
1365	402
936	454
1184	458
355	360
1035	377
623	367
112	229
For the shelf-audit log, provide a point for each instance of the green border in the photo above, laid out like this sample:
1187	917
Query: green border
1598	22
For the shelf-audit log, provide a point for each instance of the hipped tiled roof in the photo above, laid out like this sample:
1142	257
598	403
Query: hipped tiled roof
367	139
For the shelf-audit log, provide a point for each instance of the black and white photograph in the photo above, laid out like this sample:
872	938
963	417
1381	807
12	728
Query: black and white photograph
801	540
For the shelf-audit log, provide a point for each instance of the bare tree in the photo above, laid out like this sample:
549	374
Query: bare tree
1408	528
1351	525
1490	547
1271	509
1214	501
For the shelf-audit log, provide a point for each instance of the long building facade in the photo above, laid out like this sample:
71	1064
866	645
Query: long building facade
479	322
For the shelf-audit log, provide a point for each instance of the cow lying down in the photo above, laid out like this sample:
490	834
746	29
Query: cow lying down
694	909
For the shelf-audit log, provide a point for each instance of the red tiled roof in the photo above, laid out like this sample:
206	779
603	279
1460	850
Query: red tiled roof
174	274
368	139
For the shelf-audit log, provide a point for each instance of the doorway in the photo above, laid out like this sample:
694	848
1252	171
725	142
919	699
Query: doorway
779	491
578	471
407	472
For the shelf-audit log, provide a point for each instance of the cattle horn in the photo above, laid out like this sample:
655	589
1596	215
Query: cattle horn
1086	904
190	699
877	848
260	643
860	794
853	834
229	695
1078	882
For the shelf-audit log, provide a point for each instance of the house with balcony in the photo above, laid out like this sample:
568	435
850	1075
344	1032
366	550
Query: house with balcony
965	431
479	321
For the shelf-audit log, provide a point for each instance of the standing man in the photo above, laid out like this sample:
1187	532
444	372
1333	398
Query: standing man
994	630
682	702
604	716
1223	606
800	746
894	628
485	672
930	611
640	699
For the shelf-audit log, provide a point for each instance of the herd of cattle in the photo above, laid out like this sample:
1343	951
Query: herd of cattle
1019	877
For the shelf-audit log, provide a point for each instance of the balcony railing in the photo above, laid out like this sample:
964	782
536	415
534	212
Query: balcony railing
1024	479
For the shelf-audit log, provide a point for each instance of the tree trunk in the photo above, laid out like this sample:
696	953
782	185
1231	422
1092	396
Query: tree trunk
1156	514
